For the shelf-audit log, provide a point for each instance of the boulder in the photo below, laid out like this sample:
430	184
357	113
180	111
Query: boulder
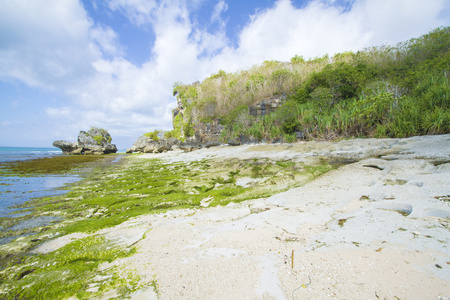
147	145
141	143
66	147
94	141
166	145
212	144
246	140
190	146
110	148
150	147
233	143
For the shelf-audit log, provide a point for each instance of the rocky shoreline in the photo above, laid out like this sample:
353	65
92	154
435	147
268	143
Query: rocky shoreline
372	228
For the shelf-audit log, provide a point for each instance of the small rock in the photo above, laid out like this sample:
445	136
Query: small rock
213	144
233	143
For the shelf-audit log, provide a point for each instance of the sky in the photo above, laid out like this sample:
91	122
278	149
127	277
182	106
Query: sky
68	65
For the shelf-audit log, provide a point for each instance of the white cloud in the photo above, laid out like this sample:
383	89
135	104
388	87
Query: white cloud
138	11
52	44
220	7
60	113
44	43
392	21
106	39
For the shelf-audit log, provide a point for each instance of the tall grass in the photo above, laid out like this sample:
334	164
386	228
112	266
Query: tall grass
382	91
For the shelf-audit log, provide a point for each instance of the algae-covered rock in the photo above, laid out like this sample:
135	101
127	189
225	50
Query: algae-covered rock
94	141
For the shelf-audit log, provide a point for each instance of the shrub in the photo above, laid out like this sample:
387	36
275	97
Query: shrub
153	135
380	91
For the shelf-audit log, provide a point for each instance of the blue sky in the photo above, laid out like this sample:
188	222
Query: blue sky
68	65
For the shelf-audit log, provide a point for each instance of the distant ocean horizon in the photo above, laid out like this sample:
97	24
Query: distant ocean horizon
24	153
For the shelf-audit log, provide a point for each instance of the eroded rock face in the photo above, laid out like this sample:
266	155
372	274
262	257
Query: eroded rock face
267	106
94	141
208	132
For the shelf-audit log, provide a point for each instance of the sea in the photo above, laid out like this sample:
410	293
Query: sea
16	190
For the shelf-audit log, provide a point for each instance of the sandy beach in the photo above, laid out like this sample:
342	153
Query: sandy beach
377	227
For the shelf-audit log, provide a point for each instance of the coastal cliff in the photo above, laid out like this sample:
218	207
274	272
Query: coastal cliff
383	91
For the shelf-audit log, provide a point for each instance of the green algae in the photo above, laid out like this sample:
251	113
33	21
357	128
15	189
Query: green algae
70	271
49	165
113	193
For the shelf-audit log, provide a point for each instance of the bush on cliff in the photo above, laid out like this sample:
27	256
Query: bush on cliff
154	135
381	91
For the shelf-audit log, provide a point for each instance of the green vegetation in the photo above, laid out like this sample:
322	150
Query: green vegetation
101	136
143	186
381	91
153	135
70	271
114	193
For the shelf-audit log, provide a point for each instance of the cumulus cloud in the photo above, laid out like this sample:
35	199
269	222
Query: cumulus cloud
321	27
44	43
54	45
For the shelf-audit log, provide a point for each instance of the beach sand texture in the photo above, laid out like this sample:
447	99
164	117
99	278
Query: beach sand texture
374	228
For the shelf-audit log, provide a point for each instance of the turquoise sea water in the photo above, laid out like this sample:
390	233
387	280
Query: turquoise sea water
17	190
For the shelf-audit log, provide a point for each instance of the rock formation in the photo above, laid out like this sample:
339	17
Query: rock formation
145	144
208	132
266	106
94	141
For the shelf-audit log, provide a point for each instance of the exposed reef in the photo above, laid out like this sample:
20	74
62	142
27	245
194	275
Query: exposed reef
145	144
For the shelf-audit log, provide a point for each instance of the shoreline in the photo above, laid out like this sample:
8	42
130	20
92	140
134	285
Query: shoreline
383	209
370	229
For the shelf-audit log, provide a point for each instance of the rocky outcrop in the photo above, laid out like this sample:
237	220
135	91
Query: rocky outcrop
94	141
267	106
233	143
213	144
208	132
145	144
66	147
190	146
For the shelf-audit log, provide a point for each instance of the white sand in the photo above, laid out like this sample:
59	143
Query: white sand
376	228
